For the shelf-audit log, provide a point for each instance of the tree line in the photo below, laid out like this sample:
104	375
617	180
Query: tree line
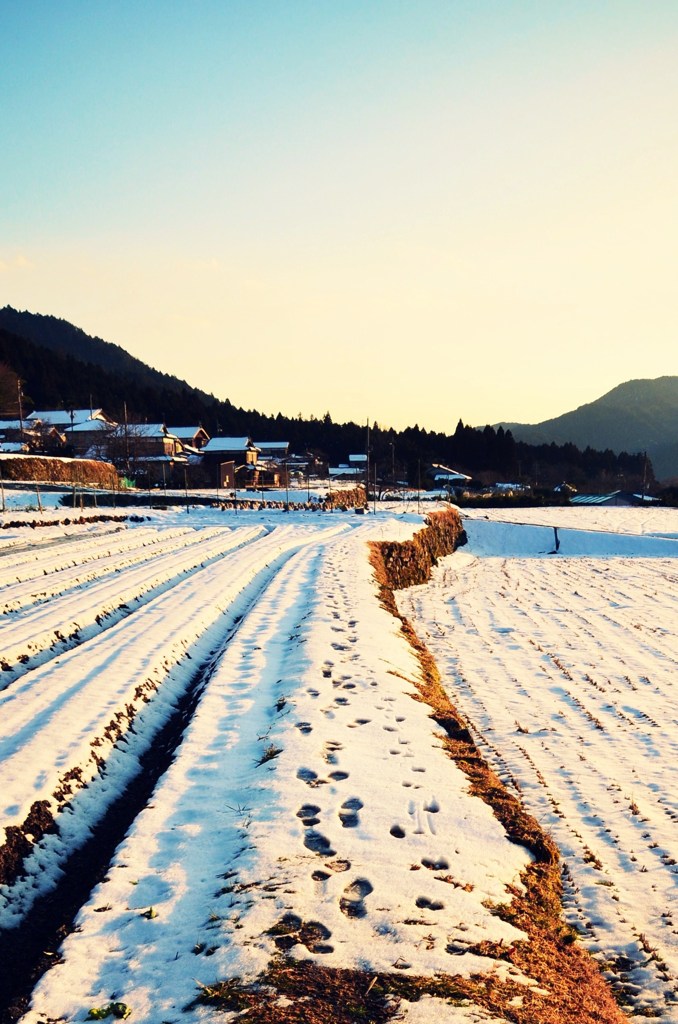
56	380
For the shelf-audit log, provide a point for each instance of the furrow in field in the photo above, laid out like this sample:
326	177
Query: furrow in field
45	631
77	550
15	546
59	723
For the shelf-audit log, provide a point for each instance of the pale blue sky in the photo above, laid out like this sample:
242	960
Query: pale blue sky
407	212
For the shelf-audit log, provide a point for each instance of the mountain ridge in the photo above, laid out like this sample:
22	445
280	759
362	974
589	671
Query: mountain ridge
66	367
639	415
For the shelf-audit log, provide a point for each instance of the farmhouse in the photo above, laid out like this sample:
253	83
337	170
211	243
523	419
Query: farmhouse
231	462
63	418
355	467
443	475
193	438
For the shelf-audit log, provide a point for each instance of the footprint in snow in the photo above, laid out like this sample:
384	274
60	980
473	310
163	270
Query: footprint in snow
338	865
435	865
424	903
316	842
307	813
310	777
348	813
352	903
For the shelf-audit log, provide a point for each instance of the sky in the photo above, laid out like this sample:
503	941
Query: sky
408	213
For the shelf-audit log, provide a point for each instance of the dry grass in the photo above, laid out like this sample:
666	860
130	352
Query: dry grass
47	469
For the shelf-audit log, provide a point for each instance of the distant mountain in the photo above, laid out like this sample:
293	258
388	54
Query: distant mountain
61	366
69	341
638	416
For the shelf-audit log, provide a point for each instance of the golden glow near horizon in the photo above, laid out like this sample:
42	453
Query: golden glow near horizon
409	216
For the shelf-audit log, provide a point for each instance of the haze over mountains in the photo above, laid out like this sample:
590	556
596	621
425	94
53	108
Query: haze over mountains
637	416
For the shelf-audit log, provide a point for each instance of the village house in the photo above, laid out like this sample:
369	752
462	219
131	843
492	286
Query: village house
193	439
272	463
273	450
231	462
65	418
17	437
443	476
89	438
356	467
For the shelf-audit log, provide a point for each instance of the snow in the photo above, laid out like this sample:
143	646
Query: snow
565	664
309	785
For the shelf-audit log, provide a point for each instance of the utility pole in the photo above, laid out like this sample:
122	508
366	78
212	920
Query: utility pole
367	465
126	442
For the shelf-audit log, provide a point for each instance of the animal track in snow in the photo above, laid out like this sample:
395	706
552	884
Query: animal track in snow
397	832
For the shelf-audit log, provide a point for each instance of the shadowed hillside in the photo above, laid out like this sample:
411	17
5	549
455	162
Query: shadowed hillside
640	415
63	367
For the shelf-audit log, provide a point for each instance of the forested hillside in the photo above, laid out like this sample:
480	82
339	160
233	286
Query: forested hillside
62	367
638	415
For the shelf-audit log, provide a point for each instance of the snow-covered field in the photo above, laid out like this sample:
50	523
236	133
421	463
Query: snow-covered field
566	665
309	806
